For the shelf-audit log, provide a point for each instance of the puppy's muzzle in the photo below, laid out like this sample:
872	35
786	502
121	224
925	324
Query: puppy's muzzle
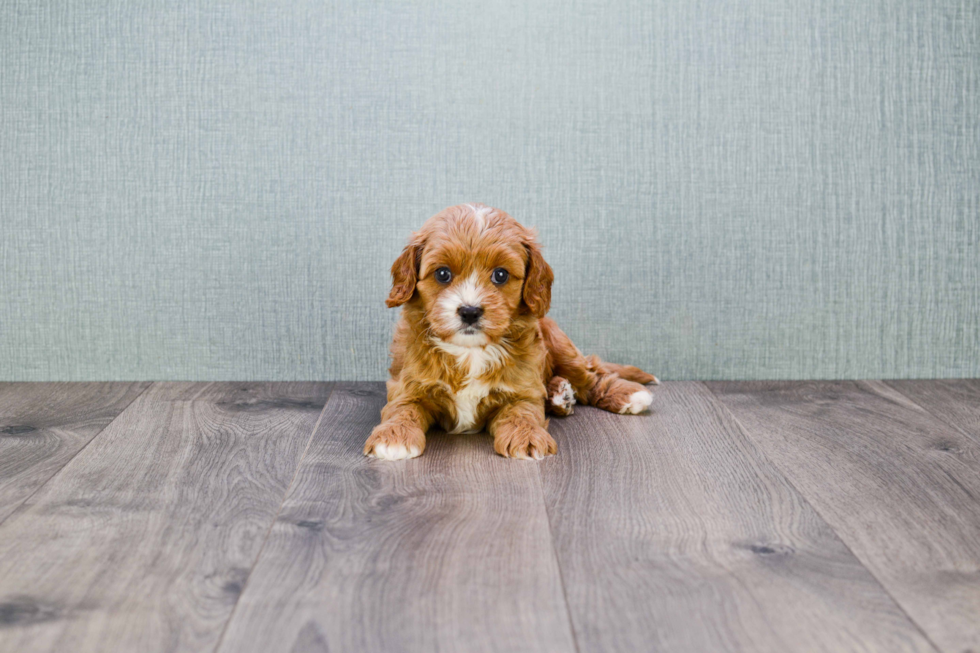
470	315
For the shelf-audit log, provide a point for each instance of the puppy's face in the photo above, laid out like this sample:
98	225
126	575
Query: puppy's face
473	269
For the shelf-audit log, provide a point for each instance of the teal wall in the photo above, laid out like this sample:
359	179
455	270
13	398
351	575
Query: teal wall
743	189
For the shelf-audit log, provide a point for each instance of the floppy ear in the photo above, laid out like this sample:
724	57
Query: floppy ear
538	278
405	273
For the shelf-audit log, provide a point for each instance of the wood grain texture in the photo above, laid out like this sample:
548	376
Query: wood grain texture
447	552
42	425
954	401
674	534
145	539
900	487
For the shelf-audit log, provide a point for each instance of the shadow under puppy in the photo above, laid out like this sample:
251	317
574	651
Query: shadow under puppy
473	347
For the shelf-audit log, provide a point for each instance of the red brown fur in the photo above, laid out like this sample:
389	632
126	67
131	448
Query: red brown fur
502	372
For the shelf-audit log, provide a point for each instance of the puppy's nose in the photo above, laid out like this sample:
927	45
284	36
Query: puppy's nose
469	314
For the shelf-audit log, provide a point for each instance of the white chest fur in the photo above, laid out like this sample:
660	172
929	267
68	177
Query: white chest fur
476	362
467	402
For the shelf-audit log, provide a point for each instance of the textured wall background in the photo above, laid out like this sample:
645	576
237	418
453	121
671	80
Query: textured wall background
743	189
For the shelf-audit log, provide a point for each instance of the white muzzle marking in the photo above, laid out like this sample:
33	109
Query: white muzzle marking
468	293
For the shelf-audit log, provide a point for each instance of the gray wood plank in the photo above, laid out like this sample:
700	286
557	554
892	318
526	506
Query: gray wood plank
42	425
447	552
674	533
954	401
144	540
901	488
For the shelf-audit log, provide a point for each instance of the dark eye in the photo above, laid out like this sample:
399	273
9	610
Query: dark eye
500	276
443	275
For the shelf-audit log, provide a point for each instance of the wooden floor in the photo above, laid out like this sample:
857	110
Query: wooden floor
790	516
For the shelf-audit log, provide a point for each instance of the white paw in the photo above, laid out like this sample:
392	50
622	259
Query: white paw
639	402
394	452
565	396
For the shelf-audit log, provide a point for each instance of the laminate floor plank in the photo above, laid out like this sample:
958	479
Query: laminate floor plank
447	552
900	487
42	425
674	533
144	540
954	401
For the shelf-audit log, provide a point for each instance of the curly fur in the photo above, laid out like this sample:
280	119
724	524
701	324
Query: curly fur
505	372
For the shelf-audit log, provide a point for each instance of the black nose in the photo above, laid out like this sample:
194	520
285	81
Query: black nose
469	314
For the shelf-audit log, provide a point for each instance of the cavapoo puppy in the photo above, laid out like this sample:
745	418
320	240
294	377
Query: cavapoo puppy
474	349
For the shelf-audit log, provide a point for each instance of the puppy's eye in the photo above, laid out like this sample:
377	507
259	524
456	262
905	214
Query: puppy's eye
500	276
444	275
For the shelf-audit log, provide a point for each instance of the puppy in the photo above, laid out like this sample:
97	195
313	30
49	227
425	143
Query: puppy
474	349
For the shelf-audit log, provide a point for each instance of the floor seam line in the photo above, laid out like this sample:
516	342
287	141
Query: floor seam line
840	538
969	436
272	524
76	454
554	553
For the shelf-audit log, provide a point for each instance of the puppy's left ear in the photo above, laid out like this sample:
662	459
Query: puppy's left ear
538	278
405	273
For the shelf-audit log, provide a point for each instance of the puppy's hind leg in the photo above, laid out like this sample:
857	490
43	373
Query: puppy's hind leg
612	387
561	397
619	395
628	372
619	388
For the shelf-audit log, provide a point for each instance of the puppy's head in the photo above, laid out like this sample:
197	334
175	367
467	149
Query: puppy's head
473	270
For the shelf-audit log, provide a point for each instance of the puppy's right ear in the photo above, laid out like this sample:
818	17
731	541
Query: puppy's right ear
405	273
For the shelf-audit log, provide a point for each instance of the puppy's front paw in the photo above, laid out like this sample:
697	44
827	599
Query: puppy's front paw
524	441
390	441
